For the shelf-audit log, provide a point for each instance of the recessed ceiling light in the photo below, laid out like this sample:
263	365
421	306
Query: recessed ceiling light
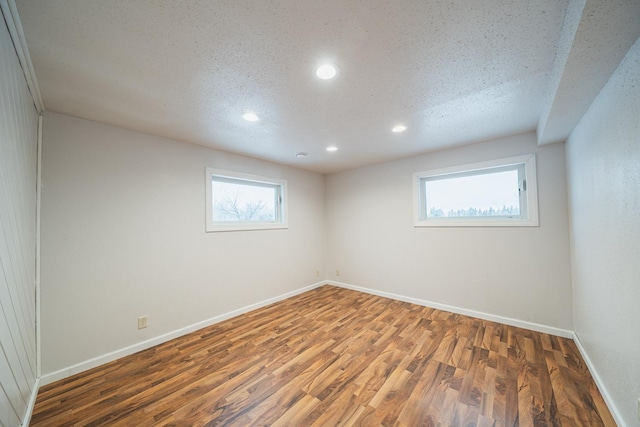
301	154
251	117
326	71
332	148
399	128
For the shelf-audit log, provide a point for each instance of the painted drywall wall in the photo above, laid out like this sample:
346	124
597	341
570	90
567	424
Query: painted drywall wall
18	158
522	273
603	166
123	235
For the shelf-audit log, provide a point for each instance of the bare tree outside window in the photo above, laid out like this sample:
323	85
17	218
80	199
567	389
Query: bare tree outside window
238	202
241	202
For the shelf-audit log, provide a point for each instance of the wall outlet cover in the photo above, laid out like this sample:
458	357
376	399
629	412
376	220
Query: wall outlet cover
142	322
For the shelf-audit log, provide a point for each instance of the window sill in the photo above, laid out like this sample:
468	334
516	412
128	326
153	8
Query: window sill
239	227
473	222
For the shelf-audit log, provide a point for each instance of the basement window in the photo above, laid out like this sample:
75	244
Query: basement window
237	201
498	193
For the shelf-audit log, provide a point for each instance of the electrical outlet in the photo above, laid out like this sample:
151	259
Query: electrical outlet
338	273
317	273
142	322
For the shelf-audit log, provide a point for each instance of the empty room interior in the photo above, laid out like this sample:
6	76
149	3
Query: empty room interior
296	213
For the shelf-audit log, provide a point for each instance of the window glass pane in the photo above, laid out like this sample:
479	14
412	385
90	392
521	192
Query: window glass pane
487	194
239	201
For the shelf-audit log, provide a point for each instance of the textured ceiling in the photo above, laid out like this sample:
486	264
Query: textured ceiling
455	72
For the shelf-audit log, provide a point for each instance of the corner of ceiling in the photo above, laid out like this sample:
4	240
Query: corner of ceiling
565	44
595	37
10	12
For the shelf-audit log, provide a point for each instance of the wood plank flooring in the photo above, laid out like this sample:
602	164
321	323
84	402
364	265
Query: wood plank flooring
332	357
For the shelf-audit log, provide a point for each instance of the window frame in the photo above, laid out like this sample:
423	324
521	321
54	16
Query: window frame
243	178
529	194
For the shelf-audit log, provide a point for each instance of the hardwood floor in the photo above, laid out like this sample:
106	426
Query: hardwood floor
333	356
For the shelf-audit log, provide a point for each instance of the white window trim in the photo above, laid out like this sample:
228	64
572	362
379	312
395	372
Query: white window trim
212	226
531	194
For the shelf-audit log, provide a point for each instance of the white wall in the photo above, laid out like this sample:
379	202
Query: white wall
603	164
521	273
123	235
18	157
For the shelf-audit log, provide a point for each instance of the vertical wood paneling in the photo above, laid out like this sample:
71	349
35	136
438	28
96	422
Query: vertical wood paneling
18	157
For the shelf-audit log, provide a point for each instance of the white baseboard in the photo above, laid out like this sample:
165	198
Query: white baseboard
596	378
31	403
565	333
100	360
508	321
109	357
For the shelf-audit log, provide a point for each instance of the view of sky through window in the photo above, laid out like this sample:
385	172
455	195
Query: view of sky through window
490	194
234	201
